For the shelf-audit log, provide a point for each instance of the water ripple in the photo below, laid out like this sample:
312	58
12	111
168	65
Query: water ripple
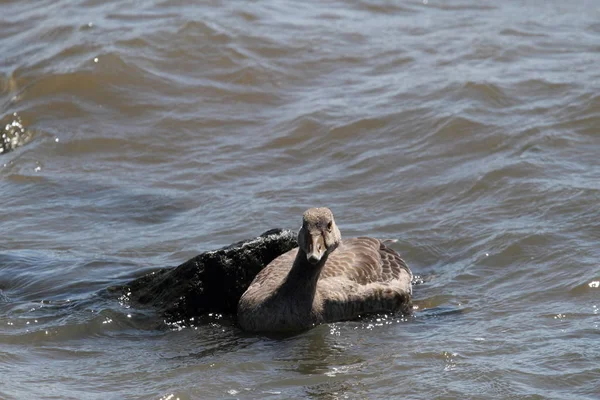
136	135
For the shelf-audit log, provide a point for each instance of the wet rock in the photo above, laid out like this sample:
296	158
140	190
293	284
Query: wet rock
212	281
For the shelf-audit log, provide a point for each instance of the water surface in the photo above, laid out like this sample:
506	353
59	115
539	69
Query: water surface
139	134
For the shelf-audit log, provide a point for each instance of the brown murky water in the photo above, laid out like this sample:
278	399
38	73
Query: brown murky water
138	134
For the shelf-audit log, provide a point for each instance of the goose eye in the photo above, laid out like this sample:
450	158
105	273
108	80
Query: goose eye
329	226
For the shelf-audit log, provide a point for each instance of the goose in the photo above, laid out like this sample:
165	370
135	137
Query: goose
325	279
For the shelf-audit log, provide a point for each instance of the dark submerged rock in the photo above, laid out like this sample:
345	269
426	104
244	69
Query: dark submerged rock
213	281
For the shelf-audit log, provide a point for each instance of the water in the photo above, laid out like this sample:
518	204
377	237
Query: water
143	133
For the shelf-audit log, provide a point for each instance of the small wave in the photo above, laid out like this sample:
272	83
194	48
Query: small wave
589	287
386	7
461	133
478	94
201	29
539	87
520	33
456	6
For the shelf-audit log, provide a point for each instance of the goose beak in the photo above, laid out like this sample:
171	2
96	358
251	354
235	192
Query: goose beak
316	249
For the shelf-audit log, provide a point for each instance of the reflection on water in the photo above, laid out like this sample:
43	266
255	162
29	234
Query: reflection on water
137	135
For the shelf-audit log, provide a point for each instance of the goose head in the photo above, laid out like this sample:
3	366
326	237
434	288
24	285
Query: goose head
319	235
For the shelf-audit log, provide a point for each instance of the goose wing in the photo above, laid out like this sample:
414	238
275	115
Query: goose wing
365	260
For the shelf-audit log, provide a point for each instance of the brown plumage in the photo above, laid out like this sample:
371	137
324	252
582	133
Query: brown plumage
325	279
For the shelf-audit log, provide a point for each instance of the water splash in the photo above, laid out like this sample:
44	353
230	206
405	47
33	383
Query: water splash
169	397
13	134
450	360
